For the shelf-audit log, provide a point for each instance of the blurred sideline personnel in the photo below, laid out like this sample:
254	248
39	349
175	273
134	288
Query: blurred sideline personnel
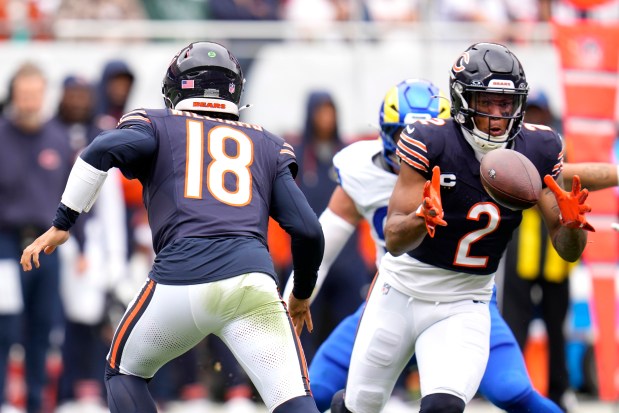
435	289
90	266
367	173
35	162
344	289
210	184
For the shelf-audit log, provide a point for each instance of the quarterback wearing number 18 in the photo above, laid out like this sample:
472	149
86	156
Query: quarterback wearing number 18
210	185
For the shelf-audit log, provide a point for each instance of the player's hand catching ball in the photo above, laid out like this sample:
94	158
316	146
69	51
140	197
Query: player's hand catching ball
431	209
572	205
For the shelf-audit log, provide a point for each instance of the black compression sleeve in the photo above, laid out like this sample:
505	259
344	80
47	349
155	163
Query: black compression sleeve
290	209
65	217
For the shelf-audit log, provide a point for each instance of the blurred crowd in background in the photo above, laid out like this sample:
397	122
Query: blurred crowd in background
24	19
53	340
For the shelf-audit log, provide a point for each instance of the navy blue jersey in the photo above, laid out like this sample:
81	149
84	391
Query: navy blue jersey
209	176
209	186
478	229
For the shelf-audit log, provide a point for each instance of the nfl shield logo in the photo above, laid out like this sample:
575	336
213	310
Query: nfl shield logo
186	84
231	88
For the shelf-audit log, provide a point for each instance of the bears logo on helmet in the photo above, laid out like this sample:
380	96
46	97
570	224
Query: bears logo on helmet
487	68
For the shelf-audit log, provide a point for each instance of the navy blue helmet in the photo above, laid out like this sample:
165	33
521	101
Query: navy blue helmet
204	76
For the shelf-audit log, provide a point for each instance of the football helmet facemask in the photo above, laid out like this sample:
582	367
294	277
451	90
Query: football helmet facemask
409	100
204	76
484	74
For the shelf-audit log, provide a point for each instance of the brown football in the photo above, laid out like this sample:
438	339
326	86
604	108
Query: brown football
510	178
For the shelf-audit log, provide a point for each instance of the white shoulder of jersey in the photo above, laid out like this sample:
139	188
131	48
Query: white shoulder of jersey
366	183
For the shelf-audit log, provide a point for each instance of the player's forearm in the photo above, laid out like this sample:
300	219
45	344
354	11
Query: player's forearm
290	209
404	233
593	175
569	242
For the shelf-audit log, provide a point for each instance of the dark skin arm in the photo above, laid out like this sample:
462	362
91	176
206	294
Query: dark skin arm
593	175
404	231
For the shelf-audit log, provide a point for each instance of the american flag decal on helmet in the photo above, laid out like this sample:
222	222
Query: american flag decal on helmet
186	84
231	87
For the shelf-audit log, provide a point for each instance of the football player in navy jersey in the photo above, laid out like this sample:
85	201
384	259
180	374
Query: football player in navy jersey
210	184
367	172
445	236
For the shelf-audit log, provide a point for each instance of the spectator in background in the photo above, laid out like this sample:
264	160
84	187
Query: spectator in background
345	286
314	18
90	265
245	10
493	16
176	10
100	10
392	11
35	162
113	93
532	266
76	111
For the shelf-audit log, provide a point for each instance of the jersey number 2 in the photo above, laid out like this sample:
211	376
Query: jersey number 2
462	257
221	163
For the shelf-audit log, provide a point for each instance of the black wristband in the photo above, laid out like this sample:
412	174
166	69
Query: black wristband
304	284
65	217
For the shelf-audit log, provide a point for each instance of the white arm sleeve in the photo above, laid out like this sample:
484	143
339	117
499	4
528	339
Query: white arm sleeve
83	186
336	231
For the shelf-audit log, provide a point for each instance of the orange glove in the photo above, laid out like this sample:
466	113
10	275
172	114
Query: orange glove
431	209
572	205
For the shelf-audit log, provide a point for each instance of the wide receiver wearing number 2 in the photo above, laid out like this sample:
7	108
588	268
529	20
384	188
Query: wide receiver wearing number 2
210	184
445	237
367	172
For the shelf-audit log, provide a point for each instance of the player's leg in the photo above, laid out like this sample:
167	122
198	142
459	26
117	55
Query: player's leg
329	367
452	352
506	383
383	346
157	327
261	336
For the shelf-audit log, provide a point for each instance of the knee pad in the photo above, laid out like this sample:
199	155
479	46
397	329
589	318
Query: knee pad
128	394
297	404
442	403
365	399
337	404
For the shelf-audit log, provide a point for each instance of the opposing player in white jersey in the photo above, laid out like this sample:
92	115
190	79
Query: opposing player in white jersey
431	295
367	173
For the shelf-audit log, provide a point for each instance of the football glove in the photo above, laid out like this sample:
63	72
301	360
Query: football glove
572	205
431	209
